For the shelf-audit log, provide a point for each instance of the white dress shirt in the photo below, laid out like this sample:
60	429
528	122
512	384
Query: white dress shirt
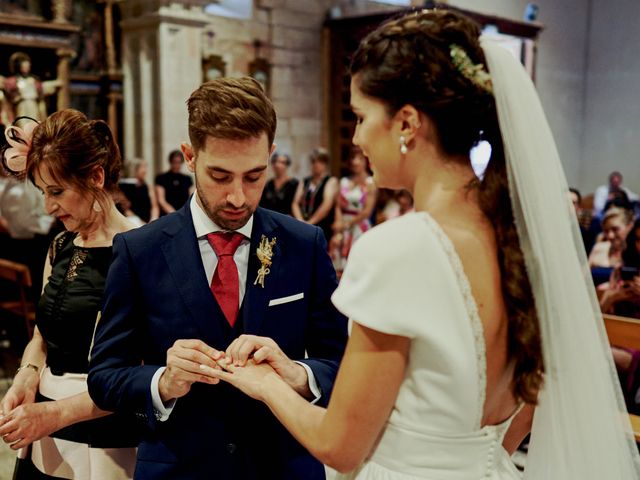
203	226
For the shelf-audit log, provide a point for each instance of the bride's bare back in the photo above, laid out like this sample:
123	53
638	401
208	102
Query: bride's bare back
474	240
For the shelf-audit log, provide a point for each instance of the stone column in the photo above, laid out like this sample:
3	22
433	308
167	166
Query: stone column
162	65
64	60
112	67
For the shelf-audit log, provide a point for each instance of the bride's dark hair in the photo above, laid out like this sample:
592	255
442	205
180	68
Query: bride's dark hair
407	61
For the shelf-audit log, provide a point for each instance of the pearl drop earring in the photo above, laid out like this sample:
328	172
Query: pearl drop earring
403	145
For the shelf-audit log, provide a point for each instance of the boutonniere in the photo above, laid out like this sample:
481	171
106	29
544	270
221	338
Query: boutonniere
265	254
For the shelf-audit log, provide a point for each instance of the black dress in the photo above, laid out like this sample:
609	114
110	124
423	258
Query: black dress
66	318
176	188
138	196
279	200
311	201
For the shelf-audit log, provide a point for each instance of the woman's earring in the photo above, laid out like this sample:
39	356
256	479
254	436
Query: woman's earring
96	206
403	145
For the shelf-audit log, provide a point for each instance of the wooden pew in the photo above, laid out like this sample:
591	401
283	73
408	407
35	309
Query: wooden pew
625	332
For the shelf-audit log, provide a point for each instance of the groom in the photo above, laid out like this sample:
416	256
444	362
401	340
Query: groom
181	289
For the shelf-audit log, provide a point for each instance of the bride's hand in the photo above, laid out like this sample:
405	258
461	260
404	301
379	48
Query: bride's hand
252	379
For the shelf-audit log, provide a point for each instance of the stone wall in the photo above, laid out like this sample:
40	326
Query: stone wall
291	35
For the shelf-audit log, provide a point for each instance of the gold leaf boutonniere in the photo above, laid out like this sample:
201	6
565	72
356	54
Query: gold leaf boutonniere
265	254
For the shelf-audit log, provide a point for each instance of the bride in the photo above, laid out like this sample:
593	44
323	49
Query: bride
474	311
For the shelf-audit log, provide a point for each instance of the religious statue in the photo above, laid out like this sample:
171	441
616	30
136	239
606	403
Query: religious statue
4	106
24	92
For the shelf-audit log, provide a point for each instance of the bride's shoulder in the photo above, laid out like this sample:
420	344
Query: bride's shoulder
396	236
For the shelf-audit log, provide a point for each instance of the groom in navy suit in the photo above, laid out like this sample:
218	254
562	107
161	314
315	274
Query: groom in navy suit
219	271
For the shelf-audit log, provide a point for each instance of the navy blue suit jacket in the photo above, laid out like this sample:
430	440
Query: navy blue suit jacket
157	293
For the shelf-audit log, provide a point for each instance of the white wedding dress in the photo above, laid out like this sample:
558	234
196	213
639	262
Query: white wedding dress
405	278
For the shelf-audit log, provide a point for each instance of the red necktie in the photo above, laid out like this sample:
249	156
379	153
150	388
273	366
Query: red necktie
224	284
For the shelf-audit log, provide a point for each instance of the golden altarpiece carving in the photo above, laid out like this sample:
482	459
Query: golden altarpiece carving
72	54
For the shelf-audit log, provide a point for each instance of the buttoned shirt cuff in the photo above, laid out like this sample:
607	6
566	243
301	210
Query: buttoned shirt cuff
161	410
313	385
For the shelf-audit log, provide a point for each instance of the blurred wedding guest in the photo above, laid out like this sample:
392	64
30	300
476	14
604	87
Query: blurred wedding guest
589	225
392	203
316	195
142	199
616	225
173	187
621	295
28	226
356	200
609	192
279	191
47	413
405	201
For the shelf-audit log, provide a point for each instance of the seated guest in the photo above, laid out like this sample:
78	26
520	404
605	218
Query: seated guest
621	295
616	225
316	195
75	164
589	225
606	193
172	187
279	192
619	199
142	199
631	254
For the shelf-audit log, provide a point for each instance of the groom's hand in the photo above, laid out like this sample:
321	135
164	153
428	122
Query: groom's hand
264	349
183	368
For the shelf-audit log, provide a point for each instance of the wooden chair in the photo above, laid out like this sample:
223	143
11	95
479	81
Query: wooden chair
587	202
18	304
625	332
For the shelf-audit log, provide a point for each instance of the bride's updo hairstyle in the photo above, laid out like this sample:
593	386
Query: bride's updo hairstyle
407	61
71	146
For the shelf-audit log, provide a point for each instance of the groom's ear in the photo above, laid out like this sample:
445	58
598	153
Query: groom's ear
189	156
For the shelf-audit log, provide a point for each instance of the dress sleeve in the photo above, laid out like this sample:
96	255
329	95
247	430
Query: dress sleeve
384	283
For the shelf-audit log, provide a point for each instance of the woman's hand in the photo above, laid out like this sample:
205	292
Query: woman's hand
29	422
22	391
253	379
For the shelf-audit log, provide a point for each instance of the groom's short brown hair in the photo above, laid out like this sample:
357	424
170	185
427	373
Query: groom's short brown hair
230	108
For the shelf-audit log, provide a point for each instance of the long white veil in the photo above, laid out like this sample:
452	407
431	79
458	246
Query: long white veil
581	428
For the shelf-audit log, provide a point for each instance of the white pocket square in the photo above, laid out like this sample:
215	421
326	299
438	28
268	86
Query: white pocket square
290	298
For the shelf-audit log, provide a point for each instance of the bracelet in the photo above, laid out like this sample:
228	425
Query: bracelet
28	365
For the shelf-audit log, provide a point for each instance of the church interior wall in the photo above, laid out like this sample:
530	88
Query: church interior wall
612	116
560	70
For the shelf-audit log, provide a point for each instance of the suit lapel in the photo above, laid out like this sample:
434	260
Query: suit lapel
256	298
183	258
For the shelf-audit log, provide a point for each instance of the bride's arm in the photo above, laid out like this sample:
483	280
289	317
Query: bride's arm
519	428
365	391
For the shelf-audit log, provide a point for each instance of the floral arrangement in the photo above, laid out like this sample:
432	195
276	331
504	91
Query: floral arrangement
265	255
